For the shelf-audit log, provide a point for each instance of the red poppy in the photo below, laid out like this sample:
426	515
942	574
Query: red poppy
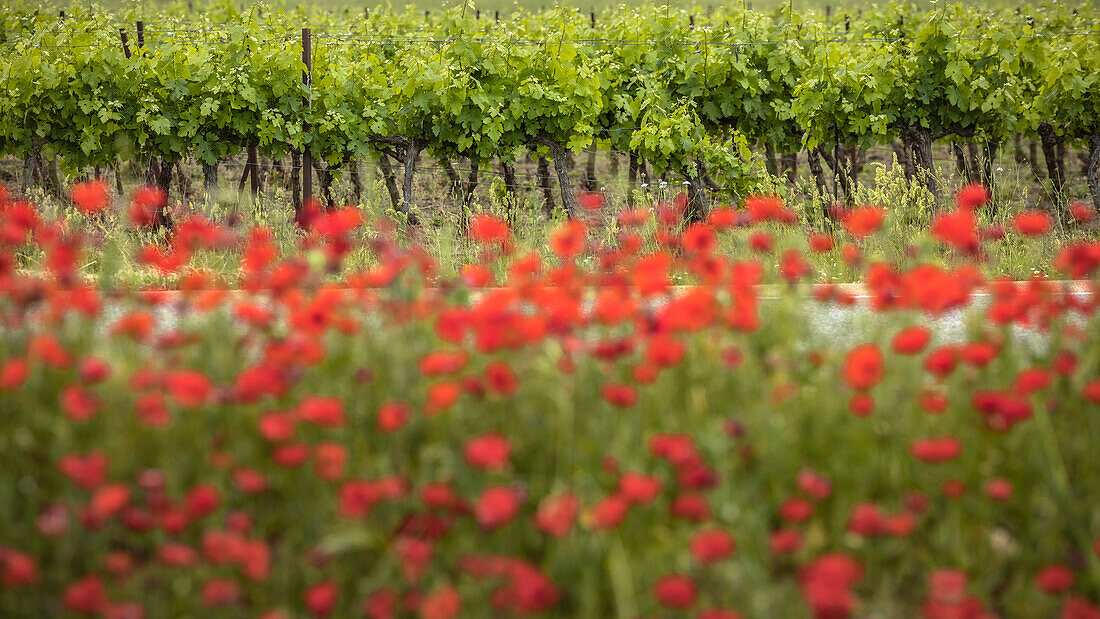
785	541
329	461
567	241
958	228
486	228
675	591
87	596
861	405
1081	213
443	362
496	506
864	221
911	340
639	489
761	241
90	196
442	396
722	218
145	204
1032	223
863	366
443	603
1054	578
972	196
189	388
500	379
109	500
712	545
769	208
936	450
820	242
796	510
202	500
556	514
86	472
488	452
320	599
698	239
13	372
999	490
609	512
692	507
392	416
78	403
620	395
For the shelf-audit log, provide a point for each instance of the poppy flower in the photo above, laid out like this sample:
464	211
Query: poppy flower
999	490
320	598
820	243
189	388
486	228
936	450
87	596
814	484
79	404
675	591
496	507
1054	578
911	340
972	196
17	569
691	507
443	362
556	514
325	412
442	603
90	197
769	208
712	545
722	218
488	452
329	461
761	242
796	510
442	396
861	405
501	379
87	471
863	367
392	416
609	512
220	592
12	373
620	395
958	229
1032	223
109	500
1081	213
785	541
864	221
567	241
145	203
202	500
639	489
698	239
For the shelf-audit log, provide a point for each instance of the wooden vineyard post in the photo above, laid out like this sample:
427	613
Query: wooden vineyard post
307	79
125	41
141	33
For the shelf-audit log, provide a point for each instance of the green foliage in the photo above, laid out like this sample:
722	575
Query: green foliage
681	86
